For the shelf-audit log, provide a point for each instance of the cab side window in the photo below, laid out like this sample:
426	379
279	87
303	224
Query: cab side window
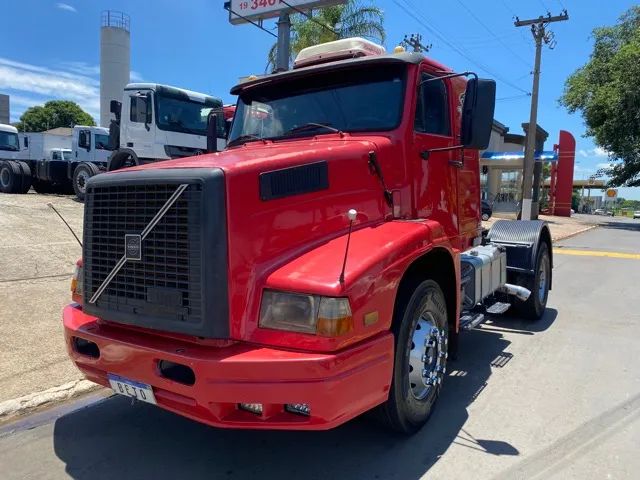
432	109
138	110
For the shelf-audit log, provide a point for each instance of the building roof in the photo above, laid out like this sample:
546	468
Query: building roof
62	131
499	127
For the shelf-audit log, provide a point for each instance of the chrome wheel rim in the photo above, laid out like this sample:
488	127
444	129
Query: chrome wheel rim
427	356
542	282
81	180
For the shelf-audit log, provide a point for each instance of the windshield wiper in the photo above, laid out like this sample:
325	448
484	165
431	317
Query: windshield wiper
312	126
244	138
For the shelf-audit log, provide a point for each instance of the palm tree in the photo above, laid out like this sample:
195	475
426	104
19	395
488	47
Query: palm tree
353	19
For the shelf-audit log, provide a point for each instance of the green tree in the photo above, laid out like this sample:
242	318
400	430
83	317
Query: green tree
353	19
605	91
55	113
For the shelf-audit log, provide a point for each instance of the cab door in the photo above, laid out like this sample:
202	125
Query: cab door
137	123
83	151
436	191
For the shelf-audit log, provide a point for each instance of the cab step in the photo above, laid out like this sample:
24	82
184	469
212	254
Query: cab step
469	321
498	308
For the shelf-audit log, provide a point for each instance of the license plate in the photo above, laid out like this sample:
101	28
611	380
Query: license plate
131	388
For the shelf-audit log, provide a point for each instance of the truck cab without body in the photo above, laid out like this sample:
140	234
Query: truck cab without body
54	163
159	122
239	293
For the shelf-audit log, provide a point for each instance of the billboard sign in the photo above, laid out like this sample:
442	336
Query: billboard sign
611	194
241	11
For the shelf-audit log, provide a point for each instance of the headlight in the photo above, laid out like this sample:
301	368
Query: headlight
77	283
295	312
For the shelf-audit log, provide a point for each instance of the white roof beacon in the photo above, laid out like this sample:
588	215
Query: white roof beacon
337	50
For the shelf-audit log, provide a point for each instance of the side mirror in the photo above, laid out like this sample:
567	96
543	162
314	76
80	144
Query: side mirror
115	107
212	133
477	113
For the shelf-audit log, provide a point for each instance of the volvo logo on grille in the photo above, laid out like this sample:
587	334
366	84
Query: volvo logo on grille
133	247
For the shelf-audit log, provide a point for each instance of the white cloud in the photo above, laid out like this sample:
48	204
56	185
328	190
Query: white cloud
81	68
24	81
593	152
66	7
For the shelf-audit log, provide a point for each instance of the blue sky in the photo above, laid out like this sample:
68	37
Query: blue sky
51	50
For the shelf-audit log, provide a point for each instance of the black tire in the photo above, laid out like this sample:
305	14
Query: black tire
10	177
534	307
26	178
81	174
410	404
120	160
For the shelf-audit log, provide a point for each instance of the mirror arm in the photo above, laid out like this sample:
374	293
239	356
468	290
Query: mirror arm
450	75
426	153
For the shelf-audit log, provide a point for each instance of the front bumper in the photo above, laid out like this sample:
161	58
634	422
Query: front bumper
337	386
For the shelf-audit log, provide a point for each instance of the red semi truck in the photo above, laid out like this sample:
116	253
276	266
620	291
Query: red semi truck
321	266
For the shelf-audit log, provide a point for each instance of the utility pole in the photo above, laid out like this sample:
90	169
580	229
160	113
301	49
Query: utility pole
538	29
415	41
284	40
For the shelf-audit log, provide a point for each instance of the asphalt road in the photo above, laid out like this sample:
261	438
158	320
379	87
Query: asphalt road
559	398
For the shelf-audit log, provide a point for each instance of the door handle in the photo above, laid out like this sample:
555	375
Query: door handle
456	163
129	144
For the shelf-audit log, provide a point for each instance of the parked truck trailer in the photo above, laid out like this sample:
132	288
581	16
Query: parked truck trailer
323	265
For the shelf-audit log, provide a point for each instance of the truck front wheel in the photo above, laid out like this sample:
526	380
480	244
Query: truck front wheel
421	346
81	175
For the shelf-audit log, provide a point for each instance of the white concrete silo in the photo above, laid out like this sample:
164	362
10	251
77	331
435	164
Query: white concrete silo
115	59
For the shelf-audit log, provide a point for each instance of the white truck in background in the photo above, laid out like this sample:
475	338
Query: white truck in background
158	122
52	163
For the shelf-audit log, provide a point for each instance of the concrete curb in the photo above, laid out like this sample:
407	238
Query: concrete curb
573	234
21	405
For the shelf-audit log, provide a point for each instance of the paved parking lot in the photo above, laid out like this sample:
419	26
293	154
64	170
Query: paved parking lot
559	398
37	256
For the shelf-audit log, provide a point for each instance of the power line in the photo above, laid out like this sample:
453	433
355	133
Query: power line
415	41
544	5
451	45
513	97
492	33
506	5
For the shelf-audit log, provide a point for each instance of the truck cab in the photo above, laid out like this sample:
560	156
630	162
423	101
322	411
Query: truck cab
322	265
9	142
91	151
91	144
159	122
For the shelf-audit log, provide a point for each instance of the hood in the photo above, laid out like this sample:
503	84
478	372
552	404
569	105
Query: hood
309	207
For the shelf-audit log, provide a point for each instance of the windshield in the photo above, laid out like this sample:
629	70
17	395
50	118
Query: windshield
9	141
102	141
184	115
367	99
